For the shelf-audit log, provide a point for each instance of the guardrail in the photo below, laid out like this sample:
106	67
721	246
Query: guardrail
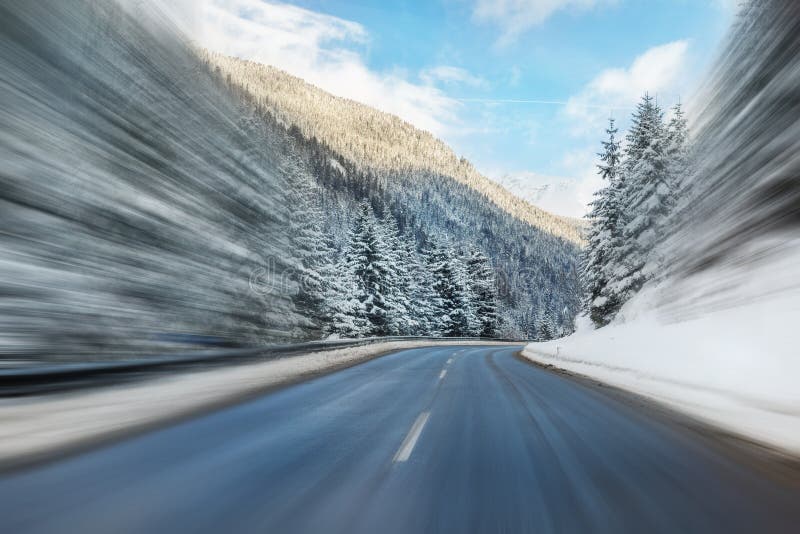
46	378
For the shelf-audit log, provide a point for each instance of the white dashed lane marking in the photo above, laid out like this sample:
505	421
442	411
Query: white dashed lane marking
404	452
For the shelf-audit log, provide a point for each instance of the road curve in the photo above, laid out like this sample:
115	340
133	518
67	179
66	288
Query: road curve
440	439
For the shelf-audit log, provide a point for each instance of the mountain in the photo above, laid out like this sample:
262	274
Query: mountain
355	153
551	193
374	140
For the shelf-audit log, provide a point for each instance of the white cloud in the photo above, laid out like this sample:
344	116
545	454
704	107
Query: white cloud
450	75
582	164
323	50
515	17
661	71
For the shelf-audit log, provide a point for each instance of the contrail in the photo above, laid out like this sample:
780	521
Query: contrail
544	102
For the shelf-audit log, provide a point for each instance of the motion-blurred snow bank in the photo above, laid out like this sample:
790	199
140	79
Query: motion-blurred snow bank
716	335
736	367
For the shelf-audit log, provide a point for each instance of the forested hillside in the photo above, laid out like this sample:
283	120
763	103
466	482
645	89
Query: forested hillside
354	154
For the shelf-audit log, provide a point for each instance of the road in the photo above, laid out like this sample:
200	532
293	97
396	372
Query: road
441	439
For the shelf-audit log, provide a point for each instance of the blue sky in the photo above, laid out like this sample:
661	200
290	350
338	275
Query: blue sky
450	66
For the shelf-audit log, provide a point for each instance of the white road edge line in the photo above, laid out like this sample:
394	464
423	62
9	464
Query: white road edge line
407	447
441	375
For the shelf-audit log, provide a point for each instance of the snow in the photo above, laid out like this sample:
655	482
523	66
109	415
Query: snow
735	367
338	166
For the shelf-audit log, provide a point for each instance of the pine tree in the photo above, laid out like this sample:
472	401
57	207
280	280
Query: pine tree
312	248
545	327
484	294
646	198
346	312
471	325
397	286
426	305
566	322
366	261
676	155
604	234
447	283
677	148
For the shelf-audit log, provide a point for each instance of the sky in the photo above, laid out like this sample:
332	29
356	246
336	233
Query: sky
522	88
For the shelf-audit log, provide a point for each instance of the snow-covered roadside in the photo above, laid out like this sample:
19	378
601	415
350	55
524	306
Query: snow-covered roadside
35	428
735	368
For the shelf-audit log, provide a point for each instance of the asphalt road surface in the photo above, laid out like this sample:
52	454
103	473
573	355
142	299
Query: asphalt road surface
442	439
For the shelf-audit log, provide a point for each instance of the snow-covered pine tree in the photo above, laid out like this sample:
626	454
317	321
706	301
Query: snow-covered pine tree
471	326
347	317
397	286
436	266
645	200
545	326
454	319
426	304
314	252
484	293
677	149
366	261
604	234
566	322
676	155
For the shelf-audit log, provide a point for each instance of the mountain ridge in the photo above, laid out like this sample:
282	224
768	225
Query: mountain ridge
380	141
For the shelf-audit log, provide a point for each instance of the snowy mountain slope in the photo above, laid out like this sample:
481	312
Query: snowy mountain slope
372	139
551	193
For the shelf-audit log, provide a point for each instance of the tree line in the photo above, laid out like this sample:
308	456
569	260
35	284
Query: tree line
381	284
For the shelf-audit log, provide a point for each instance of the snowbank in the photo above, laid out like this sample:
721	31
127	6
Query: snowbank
737	368
36	428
